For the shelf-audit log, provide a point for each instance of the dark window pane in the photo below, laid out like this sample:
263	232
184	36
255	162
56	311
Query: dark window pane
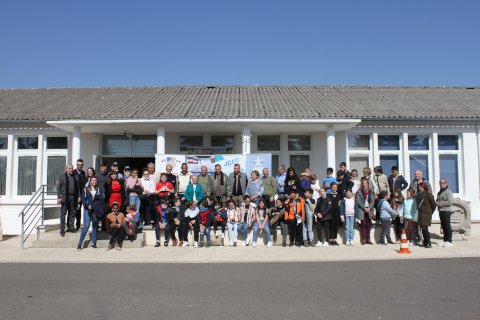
55	166
299	163
4	143
27	175
447	142
419	142
268	143
223	141
116	145
27	143
275	164
387	162
299	143
449	170
419	162
187	142
57	143
358	142
3	175
388	143
144	145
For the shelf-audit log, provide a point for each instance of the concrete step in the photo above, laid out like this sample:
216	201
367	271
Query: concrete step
101	235
54	240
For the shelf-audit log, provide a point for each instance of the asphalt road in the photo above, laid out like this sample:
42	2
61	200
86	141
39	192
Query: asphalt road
403	289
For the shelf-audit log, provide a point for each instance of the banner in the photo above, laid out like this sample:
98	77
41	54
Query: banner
195	164
175	160
209	150
228	161
257	162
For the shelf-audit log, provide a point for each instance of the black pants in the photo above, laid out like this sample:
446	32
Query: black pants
334	223
195	227
295	231
217	223
385	231
117	234
446	226
270	204
78	216
180	230
426	235
169	230
147	210
69	212
326	226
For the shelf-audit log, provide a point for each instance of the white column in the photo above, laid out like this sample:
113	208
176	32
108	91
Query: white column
331	147
406	158
76	144
161	140
246	139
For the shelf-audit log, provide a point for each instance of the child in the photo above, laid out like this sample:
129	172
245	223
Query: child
396	203
131	222
234	217
113	224
349	214
385	214
315	187
248	210
356	182
276	215
305	182
163	188
261	222
344	183
178	213
335	221
206	221
165	221
294	215
409	216
219	218
327	182
323	214
307	223
192	220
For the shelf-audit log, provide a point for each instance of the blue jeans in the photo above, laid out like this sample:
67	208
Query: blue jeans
349	230
86	225
235	232
256	200
205	232
307	227
256	226
136	201
243	229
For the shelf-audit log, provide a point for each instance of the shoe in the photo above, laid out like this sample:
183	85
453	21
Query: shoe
412	243
180	244
318	244
325	244
363	242
269	244
208	244
428	245
79	247
157	244
94	246
398	241
382	244
231	243
312	244
247	241
292	244
117	247
305	243
391	243
195	244
217	233
108	247
244	243
254	244
185	244
351	242
284	244
78	228
223	235
441	244
62	233
335	243
331	243
448	244
165	243
235	240
175	242
368	241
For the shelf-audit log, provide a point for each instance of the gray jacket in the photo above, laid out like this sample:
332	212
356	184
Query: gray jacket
243	182
445	198
62	187
361	203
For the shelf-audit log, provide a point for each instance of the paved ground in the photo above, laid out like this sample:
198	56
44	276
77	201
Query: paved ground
403	289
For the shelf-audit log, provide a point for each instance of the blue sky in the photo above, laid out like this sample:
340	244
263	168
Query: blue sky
156	43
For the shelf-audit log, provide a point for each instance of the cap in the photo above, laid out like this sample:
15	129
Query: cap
115	164
126	168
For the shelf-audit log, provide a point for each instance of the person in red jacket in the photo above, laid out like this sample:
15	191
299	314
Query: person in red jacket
206	222
163	188
294	215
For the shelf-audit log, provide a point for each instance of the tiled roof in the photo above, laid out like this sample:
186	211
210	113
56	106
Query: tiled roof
362	102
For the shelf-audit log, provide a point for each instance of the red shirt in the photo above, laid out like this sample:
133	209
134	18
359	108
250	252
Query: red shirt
160	185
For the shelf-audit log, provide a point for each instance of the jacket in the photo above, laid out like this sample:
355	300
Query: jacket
324	207
426	210
183	181
198	192
62	188
360	199
102	180
179	214
226	188
205	182
381	181
255	188
234	214
384	210
110	220
81	178
290	209
206	218
445	199
342	208
305	183
222	214
409	209
160	216
346	184
414	185
243	182
327	181
87	199
290	183
252	209
397	182
270	187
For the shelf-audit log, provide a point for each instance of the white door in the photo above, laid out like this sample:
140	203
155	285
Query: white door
97	161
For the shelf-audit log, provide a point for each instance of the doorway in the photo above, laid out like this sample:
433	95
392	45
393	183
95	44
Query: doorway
138	163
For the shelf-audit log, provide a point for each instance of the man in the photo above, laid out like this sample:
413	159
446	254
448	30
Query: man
346	173
68	194
102	177
80	175
155	176
418	179
126	173
173	180
396	181
184	178
114	168
204	181
219	185
269	188
238	182
280	178
381	181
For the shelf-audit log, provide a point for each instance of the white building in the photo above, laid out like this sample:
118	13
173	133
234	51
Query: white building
433	129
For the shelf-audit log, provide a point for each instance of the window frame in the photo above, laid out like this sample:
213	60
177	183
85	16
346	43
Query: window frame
52	153
429	153
457	152
397	153
221	135
368	152
298	153
201	135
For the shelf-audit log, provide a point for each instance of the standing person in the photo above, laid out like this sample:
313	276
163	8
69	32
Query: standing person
234	217
280	178
115	227
147	199
219	218
192	220
126	172
305	182
328	180
444	204
80	174
164	188
194	191
90	173
248	209
255	187
89	194
292	182
367	174
426	207
102	177
385	212
219	185
396	202
269	188
349	215
134	188
295	215
381	181
238	185
409	215
308	221
396	181
155	176
322	212
315	186
419	179
184	178
261	223
173	180
115	192
365	201
335	211
68	194
356	181
114	168
344	183
204	180
346	173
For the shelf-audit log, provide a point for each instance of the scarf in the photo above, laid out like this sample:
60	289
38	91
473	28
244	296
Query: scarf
441	191
221	178
365	192
203	209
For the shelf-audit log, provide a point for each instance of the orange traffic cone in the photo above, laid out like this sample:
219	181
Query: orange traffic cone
404	243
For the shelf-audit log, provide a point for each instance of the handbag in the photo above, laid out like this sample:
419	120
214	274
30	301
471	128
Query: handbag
415	214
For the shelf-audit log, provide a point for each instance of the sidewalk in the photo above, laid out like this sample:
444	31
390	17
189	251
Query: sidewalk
10	252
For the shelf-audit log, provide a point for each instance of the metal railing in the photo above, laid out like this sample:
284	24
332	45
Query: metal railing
33	212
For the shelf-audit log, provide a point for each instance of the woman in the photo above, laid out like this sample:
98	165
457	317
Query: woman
365	201
315	187
426	207
90	173
234	218
255	187
292	182
444	204
114	224
248	211
356	182
163	188
367	174
261	223
194	191
192	220
409	216
134	187
114	191
349	215
396	202
92	192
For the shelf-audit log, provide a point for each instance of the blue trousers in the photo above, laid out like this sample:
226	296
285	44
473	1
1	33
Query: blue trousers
86	225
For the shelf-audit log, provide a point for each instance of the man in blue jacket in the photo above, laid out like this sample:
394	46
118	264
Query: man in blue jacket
396	181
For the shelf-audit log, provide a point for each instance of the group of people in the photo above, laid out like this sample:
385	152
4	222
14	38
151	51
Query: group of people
124	204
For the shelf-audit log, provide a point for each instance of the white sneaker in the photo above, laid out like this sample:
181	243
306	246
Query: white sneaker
325	244
269	244
247	241
195	244
319	244
441	244
254	244
223	235
235	240
351	242
411	243
185	244
217	233
348	242
448	244
244	243
231	243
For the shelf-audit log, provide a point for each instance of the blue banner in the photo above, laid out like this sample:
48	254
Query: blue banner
228	161
258	161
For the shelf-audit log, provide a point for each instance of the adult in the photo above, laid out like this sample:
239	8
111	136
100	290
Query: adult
147	199
163	188
68	194
219	185
238	185
396	181
426	207
114	168
134	188
305	181
194	191
184	178
90	174
204	180
292	182
102	177
126	172
80	174
346	173
381	181
419	179
367	174
89	194
172	179
444	204
269	188
355	180
115	191
255	187
280	177
365	198
155	176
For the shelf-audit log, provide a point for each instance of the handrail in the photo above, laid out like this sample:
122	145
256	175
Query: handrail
28	203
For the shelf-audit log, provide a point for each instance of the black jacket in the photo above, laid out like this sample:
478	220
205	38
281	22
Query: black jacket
81	179
290	183
347	184
324	207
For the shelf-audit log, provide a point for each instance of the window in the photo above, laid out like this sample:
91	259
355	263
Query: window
27	143
55	167
227	141
57	143
144	145
387	162
299	162
27	175
358	161
419	142
268	143
299	143
388	142
449	154
358	151
116	145
419	162
187	142
275	164
3	175
358	142
3	143
447	142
